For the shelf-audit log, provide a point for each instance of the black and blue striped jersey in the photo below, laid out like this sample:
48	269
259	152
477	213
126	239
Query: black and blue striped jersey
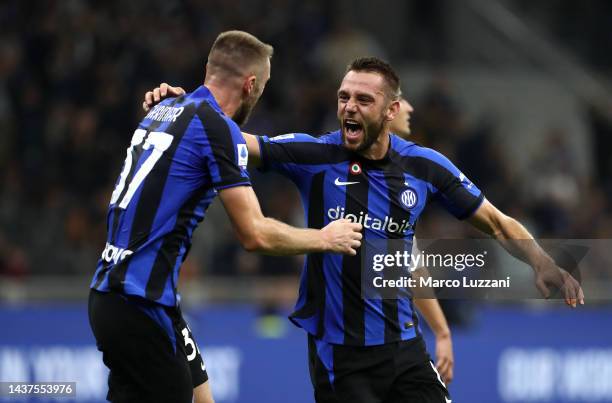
183	151
387	197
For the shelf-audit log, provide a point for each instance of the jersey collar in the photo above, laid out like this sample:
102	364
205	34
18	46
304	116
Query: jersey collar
380	163
204	94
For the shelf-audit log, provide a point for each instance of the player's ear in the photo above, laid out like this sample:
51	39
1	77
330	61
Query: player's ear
249	84
393	109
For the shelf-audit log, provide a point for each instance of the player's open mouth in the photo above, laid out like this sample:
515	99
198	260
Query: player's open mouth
352	130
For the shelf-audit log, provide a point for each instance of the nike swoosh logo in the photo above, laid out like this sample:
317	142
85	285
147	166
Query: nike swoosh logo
338	182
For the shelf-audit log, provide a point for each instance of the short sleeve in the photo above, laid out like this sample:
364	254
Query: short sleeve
458	194
226	152
289	154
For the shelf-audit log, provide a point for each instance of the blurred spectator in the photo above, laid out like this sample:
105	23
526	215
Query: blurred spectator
344	44
554	186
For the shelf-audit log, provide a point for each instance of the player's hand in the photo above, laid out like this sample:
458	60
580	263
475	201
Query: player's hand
444	357
342	236
549	274
164	90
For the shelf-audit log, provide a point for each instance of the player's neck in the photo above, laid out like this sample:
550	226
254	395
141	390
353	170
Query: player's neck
378	149
228	99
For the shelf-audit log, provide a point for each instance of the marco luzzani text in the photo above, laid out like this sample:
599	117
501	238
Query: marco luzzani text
406	262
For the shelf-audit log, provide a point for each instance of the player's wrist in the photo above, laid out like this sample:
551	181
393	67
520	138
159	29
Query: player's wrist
323	240
542	263
443	334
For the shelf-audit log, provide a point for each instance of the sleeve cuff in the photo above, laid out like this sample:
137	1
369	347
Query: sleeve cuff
263	157
226	185
472	209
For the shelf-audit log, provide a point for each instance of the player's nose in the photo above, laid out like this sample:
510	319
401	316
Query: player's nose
351	106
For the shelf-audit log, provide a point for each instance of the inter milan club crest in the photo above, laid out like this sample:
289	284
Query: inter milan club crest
355	168
409	198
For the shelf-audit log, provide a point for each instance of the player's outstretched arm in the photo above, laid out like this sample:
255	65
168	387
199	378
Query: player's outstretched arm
432	312
515	238
265	235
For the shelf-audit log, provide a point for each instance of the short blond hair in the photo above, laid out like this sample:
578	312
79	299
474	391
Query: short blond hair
238	53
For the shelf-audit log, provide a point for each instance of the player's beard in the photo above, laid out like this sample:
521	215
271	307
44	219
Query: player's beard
242	114
371	132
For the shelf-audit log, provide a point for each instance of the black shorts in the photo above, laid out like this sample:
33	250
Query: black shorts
399	372
148	348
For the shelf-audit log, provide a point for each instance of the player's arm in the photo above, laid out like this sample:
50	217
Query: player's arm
254	150
266	235
465	201
432	312
427	304
515	238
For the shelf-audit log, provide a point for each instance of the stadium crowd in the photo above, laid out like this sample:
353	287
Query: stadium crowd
72	76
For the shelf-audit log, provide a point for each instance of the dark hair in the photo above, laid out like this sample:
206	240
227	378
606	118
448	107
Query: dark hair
235	51
376	65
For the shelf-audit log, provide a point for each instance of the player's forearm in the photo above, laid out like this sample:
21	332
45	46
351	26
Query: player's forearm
432	312
430	309
277	238
515	238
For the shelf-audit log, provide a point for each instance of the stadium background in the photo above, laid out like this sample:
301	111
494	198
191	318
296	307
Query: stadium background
516	93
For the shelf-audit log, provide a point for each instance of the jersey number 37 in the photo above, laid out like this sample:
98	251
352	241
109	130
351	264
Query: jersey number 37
160	142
